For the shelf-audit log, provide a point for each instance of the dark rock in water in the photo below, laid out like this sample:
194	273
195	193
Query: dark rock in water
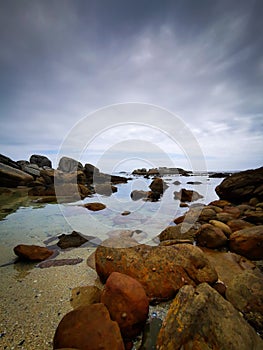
248	242
8	161
68	165
118	179
88	327
243	186
59	262
219	175
139	194
41	161
200	318
95	206
75	239
245	292
126	212
127	303
11	177
194	183
177	183
162	270
187	195
158	185
106	189
32	252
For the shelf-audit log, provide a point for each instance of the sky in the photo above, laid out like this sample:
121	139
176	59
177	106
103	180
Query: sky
65	64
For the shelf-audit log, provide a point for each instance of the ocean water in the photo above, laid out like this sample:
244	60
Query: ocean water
31	223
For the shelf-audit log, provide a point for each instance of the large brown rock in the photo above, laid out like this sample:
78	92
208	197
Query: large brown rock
32	252
95	206
248	242
11	177
200	318
162	270
242	186
179	232
238	224
68	165
210	236
245	292
41	161
106	189
158	185
187	195
127	303
88	327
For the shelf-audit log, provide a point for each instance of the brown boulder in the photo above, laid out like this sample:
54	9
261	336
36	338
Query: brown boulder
139	194
95	206
255	216
210	236
238	224
106	189
248	242
127	303
32	252
242	186
68	165
187	195
225	228
83	296
179	232
158	185
162	270
245	292
200	318
88	327
11	177
207	214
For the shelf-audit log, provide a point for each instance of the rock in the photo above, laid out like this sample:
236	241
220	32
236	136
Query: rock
32	252
179	219
125	213
194	183
75	191
225	228
219	175
75	239
179	232
227	264
245	292
200	318
221	203
255	217
177	183
90	170
88	327
184	205
95	206
238	224
83	296
207	214
11	177
68	165
162	270
224	217
8	161
127	303
242	186
139	194
142	171
248	242
41	161
118	179
210	236
187	195
234	211
106	189
59	262
31	169
158	185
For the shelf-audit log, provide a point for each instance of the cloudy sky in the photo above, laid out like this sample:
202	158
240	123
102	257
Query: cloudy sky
202	61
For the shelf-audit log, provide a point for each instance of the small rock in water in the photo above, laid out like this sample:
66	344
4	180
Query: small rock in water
75	239
60	262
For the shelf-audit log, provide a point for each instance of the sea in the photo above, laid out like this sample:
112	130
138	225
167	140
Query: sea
23	221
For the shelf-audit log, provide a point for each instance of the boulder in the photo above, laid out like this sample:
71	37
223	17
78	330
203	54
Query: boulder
95	206
88	327
210	236
31	169
200	318
242	186
32	252
127	303
41	161
158	185
238	224
85	295
248	242
139	194
207	214
106	189
179	232
254	216
8	161
11	177
90	170
225	228
162	270
118	179
75	239
245	292
187	195
68	165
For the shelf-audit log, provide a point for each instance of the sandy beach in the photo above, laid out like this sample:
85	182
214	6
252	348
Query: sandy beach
34	300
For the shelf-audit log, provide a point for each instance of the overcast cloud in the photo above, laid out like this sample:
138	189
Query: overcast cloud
201	60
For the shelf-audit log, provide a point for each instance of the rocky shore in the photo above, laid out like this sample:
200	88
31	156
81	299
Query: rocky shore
199	287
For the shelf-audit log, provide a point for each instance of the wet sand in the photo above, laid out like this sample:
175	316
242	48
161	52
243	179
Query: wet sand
34	300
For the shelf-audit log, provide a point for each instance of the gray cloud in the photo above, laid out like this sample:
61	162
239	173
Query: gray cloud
202	60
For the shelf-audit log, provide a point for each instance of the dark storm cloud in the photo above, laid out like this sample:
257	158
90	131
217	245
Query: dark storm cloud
60	60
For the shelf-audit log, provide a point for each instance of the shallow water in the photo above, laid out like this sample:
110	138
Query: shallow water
30	223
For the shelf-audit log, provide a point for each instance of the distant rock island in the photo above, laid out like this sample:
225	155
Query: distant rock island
161	171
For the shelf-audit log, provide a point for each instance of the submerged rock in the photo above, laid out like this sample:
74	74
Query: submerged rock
95	206
75	239
59	262
200	318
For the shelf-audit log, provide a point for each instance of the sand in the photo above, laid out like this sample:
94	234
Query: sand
34	300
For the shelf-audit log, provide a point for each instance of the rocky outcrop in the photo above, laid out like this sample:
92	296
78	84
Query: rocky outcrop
40	161
248	242
162	270
88	327
69	165
107	189
12	177
242	186
32	252
8	161
127	303
200	318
